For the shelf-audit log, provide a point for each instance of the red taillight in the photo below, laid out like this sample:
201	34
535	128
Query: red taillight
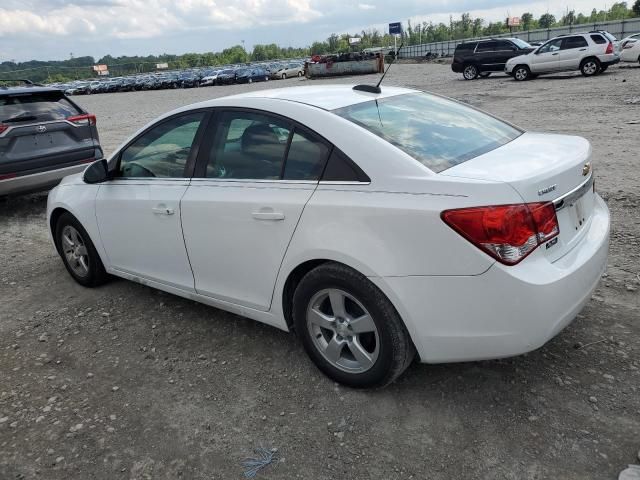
7	176
85	119
506	232
609	48
3	127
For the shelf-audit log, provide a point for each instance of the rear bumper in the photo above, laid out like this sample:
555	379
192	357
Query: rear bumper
608	63
506	311
37	181
457	67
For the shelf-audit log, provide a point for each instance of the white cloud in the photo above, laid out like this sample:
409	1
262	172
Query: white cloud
366	6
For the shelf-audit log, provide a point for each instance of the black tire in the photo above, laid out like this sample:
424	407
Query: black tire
470	72
284	76
396	351
485	74
590	67
96	274
522	73
299	74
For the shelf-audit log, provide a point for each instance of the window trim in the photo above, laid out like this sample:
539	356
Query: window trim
203	157
193	153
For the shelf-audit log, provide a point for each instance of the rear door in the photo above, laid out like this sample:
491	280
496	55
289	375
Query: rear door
486	55
238	217
572	51
40	131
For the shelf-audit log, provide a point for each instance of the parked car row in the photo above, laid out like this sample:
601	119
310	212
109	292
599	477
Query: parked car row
591	53
192	78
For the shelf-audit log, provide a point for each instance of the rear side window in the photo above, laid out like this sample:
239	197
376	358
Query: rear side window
32	107
341	168
486	46
599	39
466	47
306	157
437	132
574	42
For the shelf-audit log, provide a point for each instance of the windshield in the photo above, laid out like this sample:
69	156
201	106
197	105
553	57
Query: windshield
437	132
520	43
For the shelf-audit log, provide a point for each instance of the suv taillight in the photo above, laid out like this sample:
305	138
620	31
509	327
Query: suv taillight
3	127
506	232
609	48
85	119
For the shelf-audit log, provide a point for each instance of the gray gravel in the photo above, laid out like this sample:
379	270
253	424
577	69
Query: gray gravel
127	382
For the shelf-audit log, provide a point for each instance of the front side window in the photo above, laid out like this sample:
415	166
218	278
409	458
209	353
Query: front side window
574	42
552	46
437	132
502	45
162	151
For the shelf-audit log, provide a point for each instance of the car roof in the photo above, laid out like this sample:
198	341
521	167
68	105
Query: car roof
5	90
326	97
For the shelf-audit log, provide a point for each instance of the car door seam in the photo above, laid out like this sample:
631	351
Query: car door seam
184	240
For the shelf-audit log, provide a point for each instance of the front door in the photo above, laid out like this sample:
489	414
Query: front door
138	211
547	58
239	216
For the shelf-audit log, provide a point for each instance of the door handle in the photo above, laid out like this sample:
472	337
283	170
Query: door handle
162	210
554	54
268	215
583	49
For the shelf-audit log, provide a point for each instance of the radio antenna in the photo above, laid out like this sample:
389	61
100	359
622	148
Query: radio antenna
376	88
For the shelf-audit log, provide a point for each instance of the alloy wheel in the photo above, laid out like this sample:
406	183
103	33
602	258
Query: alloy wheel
470	72
343	331
521	74
75	251
590	68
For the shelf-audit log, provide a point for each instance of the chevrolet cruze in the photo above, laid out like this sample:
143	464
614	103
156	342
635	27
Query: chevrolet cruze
381	227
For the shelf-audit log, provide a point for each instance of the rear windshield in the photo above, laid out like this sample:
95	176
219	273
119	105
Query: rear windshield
437	132
32	107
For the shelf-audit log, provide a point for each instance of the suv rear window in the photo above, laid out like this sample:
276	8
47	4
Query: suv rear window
42	106
599	39
437	132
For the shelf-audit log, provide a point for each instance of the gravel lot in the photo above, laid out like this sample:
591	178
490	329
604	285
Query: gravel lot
127	382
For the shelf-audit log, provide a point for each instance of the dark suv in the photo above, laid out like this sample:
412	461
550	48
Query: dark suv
480	58
44	136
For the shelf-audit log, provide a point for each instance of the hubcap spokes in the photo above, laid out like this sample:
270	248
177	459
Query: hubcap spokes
343	331
75	251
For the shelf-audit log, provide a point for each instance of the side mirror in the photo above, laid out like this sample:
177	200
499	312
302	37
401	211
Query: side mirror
97	172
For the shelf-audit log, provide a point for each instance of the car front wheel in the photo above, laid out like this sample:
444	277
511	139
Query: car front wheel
470	72
521	73
349	328
590	67
78	252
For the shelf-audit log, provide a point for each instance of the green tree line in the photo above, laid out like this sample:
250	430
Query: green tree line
426	32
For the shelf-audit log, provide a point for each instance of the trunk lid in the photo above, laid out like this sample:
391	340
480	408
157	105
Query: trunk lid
543	168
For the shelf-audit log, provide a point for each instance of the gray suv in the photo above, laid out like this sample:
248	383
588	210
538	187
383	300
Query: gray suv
44	136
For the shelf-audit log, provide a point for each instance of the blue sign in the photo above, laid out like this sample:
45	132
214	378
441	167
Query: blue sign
395	28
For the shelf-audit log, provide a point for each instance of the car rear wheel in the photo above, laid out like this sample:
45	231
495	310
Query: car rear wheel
521	73
349	328
284	76
590	67
78	252
250	80
299	74
470	72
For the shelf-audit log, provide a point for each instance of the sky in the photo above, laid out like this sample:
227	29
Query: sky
57	29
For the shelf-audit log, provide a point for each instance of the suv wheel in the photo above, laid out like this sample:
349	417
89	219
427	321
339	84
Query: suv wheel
299	74
521	73
470	72
590	67
349	328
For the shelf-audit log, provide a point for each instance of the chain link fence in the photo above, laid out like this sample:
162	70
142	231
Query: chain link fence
619	28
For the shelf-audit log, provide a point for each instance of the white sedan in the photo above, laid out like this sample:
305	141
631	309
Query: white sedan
631	49
381	227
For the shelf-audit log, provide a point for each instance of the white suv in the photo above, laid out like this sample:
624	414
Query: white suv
591	53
